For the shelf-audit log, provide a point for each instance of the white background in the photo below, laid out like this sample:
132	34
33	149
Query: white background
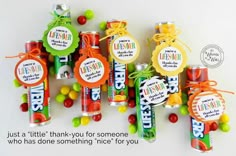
202	22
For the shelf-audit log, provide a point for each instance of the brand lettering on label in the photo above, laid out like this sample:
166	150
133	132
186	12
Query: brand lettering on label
209	105
197	128
173	82
119	75
170	55
123	46
153	88
95	94
37	97
146	113
60	34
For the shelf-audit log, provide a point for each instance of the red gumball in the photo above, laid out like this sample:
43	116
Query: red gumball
81	20
131	103
213	126
24	107
68	103
97	117
131	92
132	119
173	118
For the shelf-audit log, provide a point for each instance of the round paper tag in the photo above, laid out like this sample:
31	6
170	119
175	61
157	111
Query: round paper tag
30	72
154	91
206	106
61	40
92	72
124	49
169	60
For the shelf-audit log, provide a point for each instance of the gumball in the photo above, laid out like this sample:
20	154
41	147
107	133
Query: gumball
60	98
122	109
103	25
224	118
131	67
104	87
132	119
89	14
97	117
132	128
51	71
16	83
51	58
73	95
68	103
213	126
76	87
184	98
85	120
24	98
131	92
173	118
131	83
24	107
224	127
183	109
81	20
76	121
131	103
65	90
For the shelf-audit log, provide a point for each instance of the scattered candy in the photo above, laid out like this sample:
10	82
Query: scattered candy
224	127
131	67
65	90
184	98
103	25
213	126
85	120
224	118
76	87
24	107
24	98
51	71
104	87
73	95
51	58
131	103
122	109
68	103
132	119
16	83
131	83
89	14
81	20
173	118
76	121
131	92
97	117
132	128
60	98
183	109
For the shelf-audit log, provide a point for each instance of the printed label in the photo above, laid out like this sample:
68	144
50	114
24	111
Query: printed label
155	90
30	72
119	75
124	49
197	128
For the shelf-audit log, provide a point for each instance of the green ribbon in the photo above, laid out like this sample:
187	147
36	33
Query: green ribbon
146	73
57	20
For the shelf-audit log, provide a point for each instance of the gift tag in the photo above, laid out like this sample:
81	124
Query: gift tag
92	71
124	49
30	71
206	106
154	90
60	40
169	60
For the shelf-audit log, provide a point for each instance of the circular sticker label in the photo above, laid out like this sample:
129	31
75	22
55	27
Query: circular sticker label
207	106
154	91
30	72
124	49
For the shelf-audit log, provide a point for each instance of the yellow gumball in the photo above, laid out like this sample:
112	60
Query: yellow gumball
73	95
104	87
85	120
131	83
224	118
122	109
65	90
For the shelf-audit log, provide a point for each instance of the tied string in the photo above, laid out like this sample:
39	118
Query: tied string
87	51
59	19
33	53
206	85
169	38
147	73
119	30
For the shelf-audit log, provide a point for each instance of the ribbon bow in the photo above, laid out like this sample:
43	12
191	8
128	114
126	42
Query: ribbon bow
33	53
147	73
59	19
87	50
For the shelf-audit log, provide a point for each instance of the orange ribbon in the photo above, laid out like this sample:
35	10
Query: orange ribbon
206	85
88	50
32	53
